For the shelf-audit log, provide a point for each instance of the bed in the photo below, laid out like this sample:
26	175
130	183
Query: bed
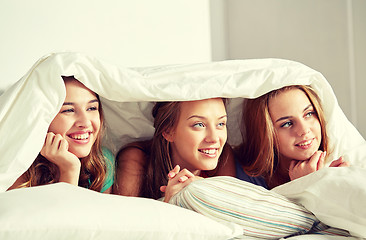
336	197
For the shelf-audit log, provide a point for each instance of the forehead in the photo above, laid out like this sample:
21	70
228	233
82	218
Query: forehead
288	102
75	90
207	107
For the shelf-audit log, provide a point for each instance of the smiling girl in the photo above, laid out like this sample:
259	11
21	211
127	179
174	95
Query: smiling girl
72	149
189	135
196	140
284	135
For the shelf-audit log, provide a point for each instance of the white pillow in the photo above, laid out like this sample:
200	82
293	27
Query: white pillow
260	213
63	211
337	197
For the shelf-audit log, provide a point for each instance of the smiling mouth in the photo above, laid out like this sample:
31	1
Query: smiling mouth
305	144
208	151
83	136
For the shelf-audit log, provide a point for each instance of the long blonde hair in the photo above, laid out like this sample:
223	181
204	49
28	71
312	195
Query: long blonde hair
259	151
93	166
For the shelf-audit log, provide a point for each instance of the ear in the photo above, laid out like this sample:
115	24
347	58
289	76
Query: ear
168	135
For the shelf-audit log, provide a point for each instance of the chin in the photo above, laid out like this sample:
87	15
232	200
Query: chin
80	154
306	158
209	167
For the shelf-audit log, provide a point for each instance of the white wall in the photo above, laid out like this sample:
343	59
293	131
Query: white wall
359	31
129	33
327	35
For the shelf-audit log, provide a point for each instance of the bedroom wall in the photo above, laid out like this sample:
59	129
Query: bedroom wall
129	33
328	35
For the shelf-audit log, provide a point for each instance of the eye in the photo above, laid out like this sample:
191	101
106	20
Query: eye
286	124
198	125
94	108
221	124
310	114
69	110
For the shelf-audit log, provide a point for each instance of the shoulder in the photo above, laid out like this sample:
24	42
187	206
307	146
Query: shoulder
132	153
107	153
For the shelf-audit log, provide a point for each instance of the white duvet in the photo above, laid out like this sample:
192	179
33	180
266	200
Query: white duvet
335	196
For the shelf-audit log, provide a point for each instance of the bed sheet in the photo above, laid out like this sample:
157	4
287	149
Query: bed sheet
128	94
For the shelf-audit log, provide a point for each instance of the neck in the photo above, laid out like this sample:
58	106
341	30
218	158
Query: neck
283	166
281	174
195	172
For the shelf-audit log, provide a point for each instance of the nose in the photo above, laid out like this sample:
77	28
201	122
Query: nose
82	120
212	136
303	128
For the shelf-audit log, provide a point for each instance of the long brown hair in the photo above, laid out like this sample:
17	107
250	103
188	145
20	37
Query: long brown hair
259	151
93	166
166	115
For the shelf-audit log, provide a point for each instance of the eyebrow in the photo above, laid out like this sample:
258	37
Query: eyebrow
202	117
71	103
286	117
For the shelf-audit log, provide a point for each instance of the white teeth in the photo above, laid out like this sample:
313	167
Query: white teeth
305	143
81	136
209	151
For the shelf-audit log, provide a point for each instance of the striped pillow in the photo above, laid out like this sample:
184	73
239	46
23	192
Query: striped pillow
260	212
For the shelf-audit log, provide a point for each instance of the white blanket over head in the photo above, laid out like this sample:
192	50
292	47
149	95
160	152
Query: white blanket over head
127	94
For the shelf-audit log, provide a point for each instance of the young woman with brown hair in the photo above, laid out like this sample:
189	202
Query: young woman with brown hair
191	134
284	135
72	150
188	135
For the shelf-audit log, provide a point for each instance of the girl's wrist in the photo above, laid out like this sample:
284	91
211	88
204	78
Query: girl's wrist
70	174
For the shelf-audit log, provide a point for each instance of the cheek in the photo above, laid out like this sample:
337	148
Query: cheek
58	126
223	136
318	135
96	124
318	130
283	139
187	137
191	141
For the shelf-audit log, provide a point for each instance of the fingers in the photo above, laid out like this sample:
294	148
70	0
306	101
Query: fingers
295	169
181	176
184	175
292	164
174	186
177	181
344	164
299	169
162	188
321	161
55	149
53	143
176	176
174	172
336	163
314	161
340	162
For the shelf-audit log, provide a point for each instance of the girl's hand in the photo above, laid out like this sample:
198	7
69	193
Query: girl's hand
301	168
55	149
177	181
340	162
